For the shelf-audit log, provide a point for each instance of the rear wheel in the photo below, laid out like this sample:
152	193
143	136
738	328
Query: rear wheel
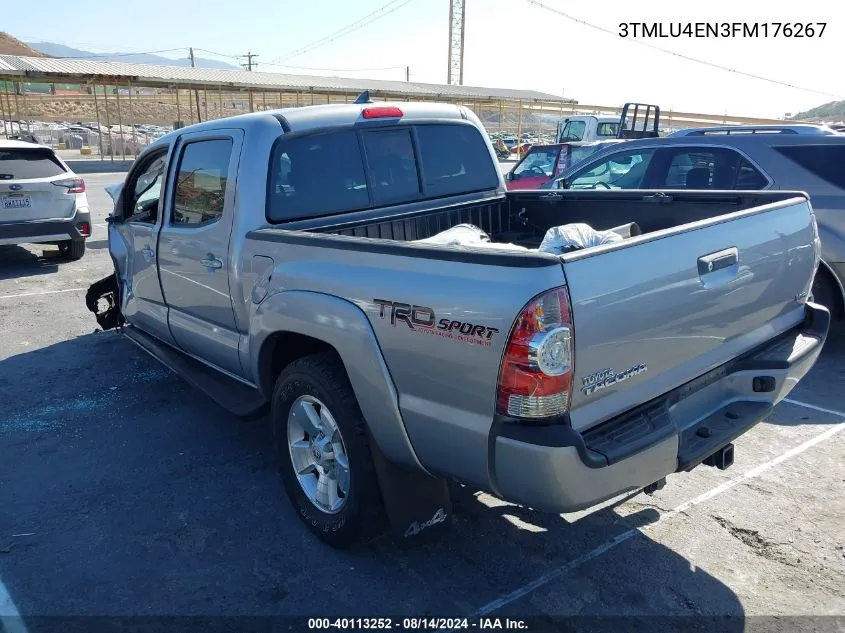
324	455
72	249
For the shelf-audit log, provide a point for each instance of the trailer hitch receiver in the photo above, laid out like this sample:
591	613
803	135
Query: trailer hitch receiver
721	459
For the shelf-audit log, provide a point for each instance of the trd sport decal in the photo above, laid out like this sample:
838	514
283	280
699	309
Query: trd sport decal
423	319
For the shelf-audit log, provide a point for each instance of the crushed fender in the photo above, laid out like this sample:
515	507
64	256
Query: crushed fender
102	300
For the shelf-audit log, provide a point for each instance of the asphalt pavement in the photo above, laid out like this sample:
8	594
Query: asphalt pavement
123	491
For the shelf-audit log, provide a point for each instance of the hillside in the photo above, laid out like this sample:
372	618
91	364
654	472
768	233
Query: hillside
833	111
13	46
60	50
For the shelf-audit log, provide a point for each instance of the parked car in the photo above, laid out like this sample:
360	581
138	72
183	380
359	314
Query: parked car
808	161
392	358
804	129
41	200
542	163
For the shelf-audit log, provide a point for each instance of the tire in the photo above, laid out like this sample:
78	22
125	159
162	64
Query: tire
827	294
320	383
72	249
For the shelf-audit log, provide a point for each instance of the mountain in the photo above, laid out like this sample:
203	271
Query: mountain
60	50
12	46
833	111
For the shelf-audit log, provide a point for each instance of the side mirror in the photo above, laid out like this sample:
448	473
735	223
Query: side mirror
509	175
563	183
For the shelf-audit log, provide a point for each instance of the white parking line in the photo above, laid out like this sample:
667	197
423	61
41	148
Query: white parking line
42	292
710	494
838	414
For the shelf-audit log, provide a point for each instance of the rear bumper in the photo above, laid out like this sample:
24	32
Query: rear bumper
46	231
557	469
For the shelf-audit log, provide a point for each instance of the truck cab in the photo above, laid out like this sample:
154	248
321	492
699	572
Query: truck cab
587	128
638	120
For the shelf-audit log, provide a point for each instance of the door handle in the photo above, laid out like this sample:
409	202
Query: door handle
210	261
148	253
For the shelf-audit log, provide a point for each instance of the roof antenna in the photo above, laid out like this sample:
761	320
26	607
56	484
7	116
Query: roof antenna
364	97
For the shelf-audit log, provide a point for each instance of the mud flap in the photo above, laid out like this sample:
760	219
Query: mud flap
108	315
418	506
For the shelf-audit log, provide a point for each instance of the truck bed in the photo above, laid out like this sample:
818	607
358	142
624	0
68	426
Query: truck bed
643	302
523	217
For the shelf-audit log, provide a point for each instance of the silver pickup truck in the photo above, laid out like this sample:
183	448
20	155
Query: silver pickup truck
278	261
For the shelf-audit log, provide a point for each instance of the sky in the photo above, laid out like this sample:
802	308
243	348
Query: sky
508	44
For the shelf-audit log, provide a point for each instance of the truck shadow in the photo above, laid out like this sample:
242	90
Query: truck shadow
17	262
822	387
140	491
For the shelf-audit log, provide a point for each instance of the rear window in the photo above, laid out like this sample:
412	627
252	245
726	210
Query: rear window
316	175
326	173
24	164
455	160
607	129
825	161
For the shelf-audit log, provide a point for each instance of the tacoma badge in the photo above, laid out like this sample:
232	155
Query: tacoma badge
607	377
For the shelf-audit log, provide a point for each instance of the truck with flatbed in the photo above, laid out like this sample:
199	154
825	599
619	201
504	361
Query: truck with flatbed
292	264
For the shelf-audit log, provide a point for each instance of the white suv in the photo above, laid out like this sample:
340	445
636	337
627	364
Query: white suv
41	199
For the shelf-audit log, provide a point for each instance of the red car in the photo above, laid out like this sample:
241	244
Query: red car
542	163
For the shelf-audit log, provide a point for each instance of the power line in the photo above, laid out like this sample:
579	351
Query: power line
205	50
679	55
379	13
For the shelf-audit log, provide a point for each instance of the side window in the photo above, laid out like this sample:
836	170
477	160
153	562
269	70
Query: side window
201	182
315	175
710	168
573	131
622	170
392	165
824	161
537	164
142	204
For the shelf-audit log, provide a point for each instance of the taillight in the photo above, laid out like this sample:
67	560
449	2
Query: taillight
535	380
73	185
84	229
381	112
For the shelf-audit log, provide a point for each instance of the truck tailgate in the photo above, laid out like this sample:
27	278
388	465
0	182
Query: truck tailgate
661	309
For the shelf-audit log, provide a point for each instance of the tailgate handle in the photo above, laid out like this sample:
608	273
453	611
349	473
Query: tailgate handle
717	261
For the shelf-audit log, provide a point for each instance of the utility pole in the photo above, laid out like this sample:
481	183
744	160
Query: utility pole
196	92
248	66
249	63
407	74
457	13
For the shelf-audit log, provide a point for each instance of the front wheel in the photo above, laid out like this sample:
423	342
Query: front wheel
324	454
